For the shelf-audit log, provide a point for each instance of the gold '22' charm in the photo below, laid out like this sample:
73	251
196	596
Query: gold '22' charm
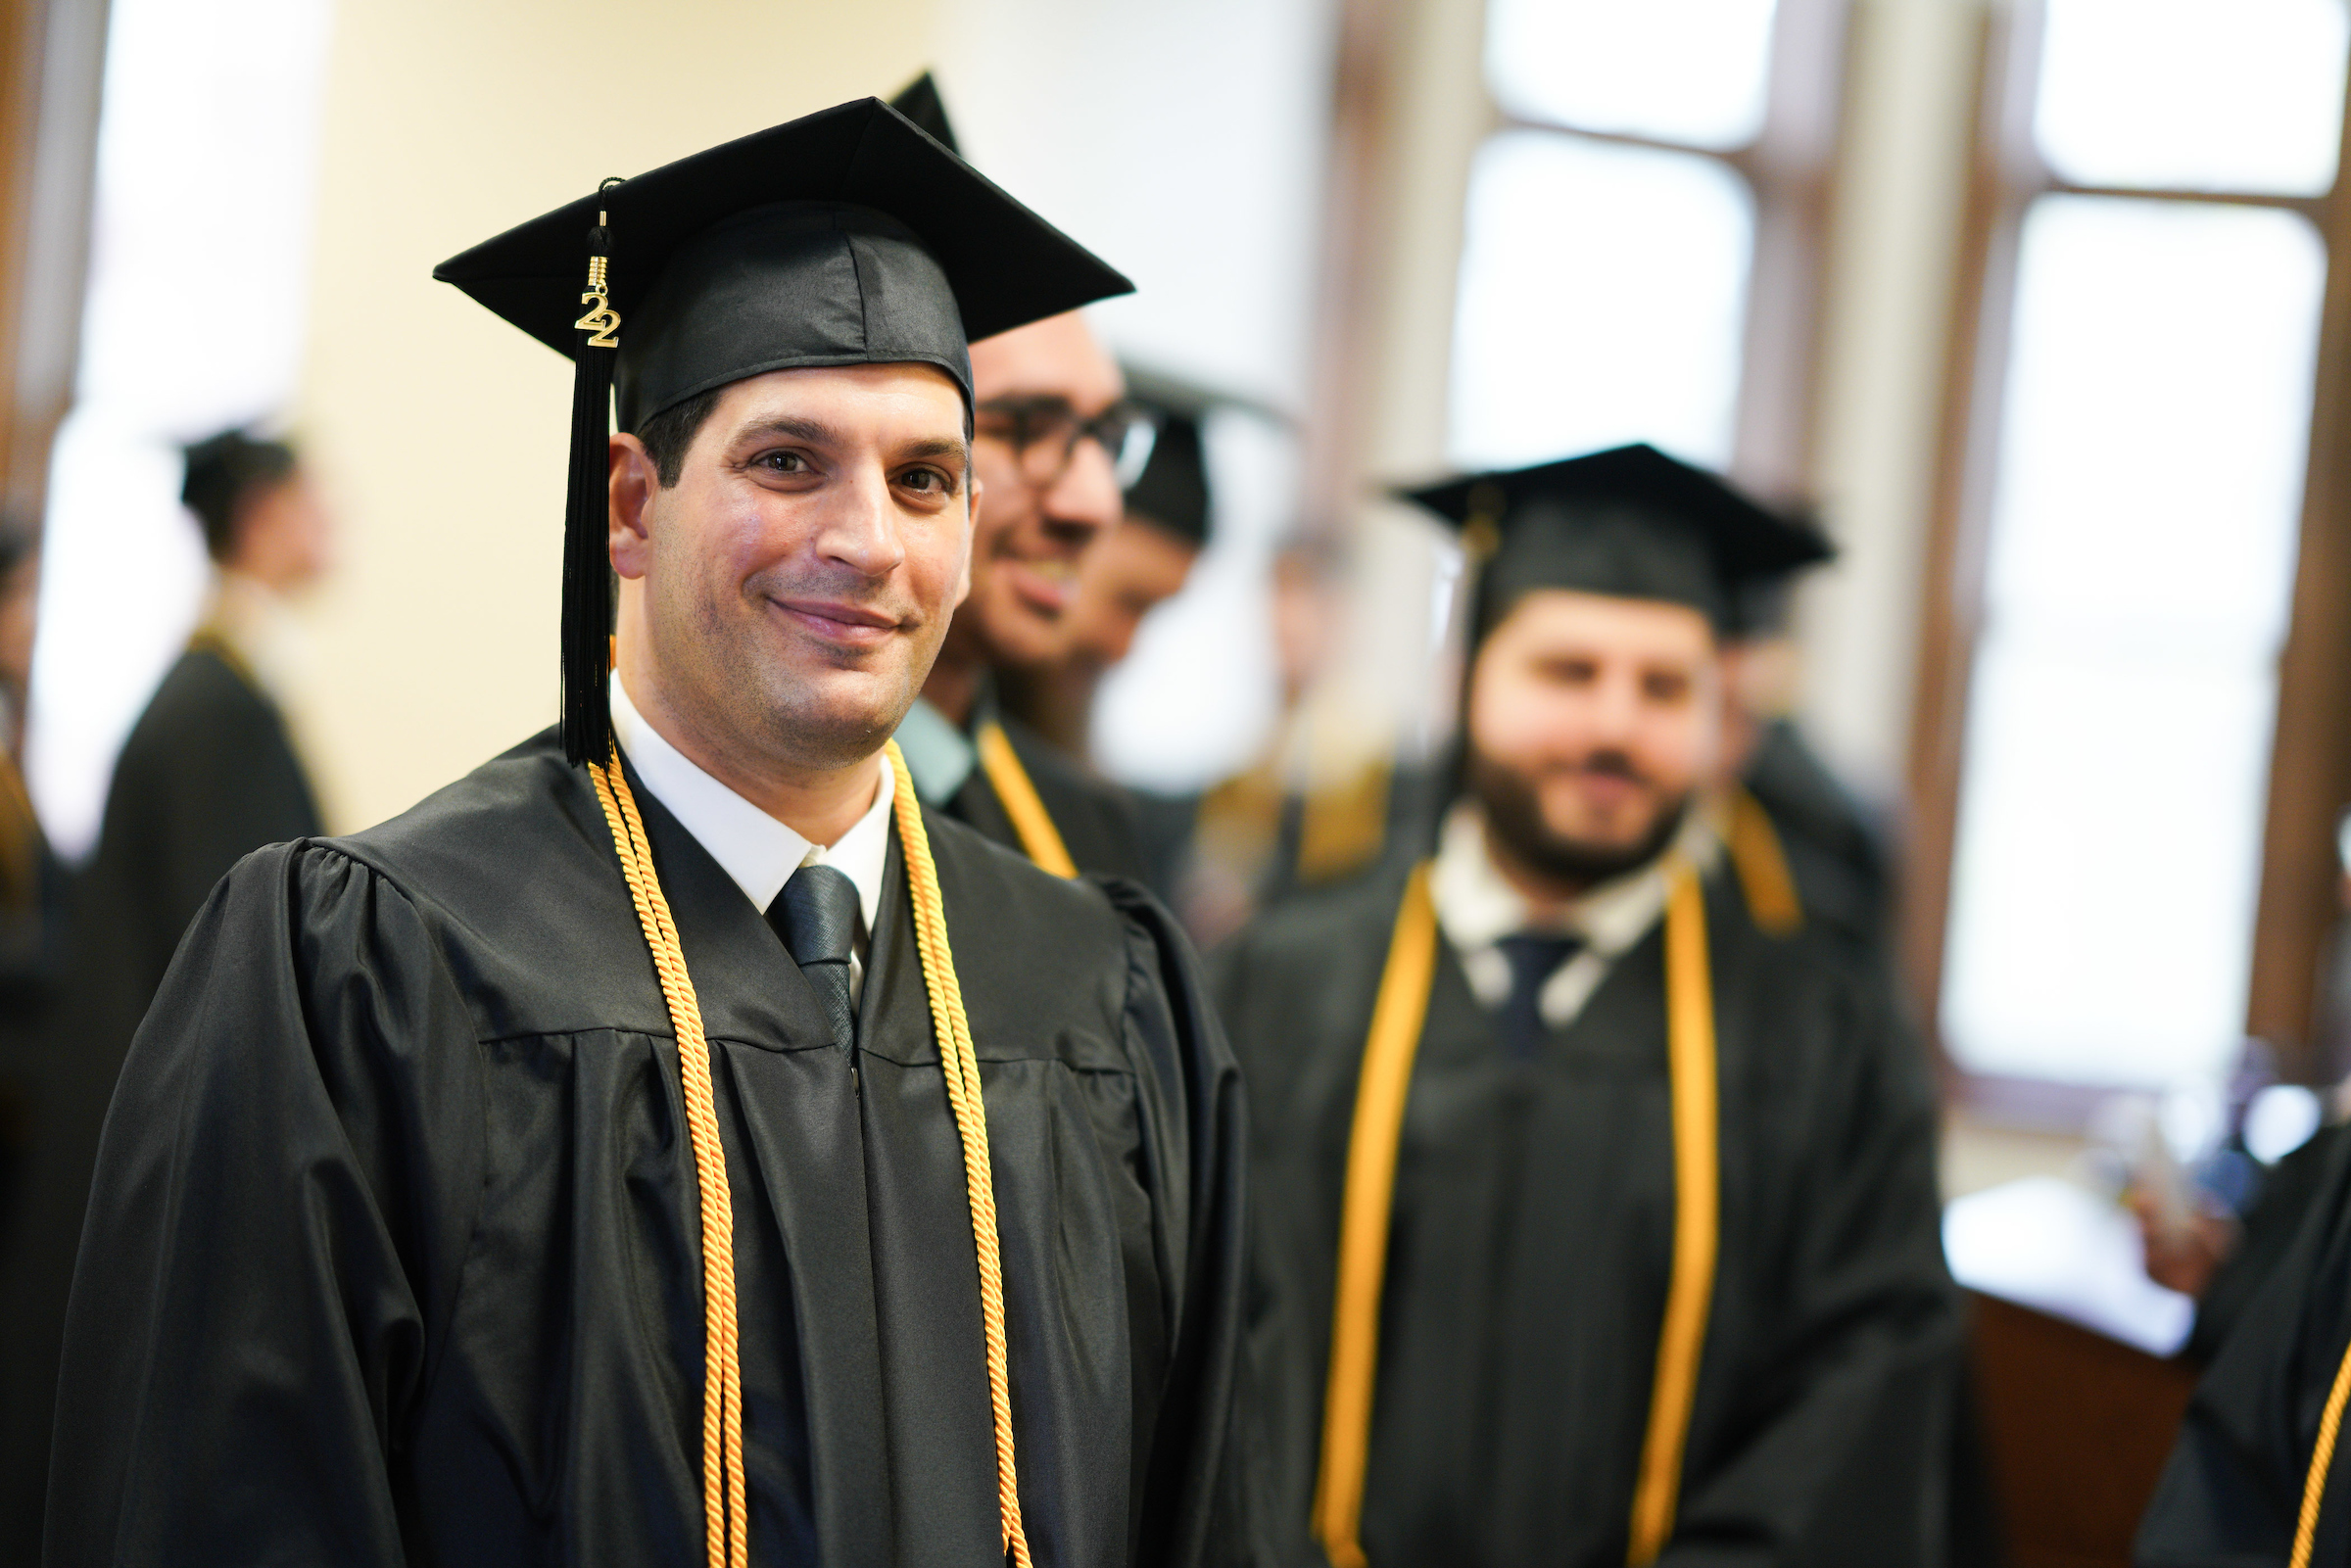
604	321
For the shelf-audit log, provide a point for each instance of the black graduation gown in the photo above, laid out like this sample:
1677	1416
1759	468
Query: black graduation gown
393	1252
1531	1248
2232	1489
207	775
1835	853
1095	818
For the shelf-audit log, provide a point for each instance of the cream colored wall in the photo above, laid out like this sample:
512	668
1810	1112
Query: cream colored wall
440	431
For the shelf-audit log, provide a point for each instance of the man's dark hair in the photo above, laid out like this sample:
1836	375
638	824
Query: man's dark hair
669	434
224	473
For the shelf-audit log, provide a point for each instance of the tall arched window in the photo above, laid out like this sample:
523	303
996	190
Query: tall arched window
1643	232
2157	193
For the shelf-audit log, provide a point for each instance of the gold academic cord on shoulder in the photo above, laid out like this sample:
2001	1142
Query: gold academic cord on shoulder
725	1518
1039	839
2321	1460
1397	1018
1761	863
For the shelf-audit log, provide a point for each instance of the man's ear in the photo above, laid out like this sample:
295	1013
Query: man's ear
634	480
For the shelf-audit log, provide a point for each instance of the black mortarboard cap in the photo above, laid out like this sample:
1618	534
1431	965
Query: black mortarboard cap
919	100
1172	491
1629	522
845	237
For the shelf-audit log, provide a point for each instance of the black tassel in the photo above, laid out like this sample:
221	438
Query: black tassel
587	558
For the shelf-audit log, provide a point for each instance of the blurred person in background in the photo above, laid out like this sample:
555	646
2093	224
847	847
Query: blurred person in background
2222	1257
208	775
1137	566
1789	820
1598	1225
209	771
2259	1478
32	881
1053	428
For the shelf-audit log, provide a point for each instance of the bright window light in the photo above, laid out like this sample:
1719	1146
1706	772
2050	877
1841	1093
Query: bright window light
2142	556
2207	95
1693	72
200	259
1602	300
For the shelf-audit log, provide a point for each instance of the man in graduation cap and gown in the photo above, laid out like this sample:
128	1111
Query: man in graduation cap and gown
1055	439
1136	567
694	1150
1601	1225
2261	1476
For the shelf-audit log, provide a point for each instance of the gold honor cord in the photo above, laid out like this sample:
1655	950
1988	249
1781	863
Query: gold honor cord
1039	839
724	1512
726	1525
2321	1460
1697	1213
1368	1200
961	1069
1761	863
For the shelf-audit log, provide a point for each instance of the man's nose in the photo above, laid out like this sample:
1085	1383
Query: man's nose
861	531
1085	501
1616	706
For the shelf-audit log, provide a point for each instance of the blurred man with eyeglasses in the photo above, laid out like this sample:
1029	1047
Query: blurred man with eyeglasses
1055	442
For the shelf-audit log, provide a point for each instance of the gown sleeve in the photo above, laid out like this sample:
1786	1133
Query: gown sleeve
1833	1455
2232	1489
1198	1505
284	1194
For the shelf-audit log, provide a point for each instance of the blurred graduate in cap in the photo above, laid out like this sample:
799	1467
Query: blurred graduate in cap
1136	567
673	1142
210	772
1601	1224
1805	849
1056	438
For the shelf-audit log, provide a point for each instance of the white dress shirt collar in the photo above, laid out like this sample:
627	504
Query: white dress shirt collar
1477	907
755	849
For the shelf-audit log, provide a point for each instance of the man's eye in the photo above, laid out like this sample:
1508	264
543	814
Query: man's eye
783	462
928	481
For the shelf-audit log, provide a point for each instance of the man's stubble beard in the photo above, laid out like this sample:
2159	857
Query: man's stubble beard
771	709
1513	812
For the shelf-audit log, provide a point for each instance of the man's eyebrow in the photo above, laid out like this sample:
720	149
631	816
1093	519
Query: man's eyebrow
813	430
937	446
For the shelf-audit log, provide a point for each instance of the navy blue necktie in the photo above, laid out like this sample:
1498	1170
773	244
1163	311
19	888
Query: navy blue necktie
816	915
1535	957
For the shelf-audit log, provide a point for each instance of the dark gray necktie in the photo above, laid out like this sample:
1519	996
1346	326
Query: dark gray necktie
1535	957
816	915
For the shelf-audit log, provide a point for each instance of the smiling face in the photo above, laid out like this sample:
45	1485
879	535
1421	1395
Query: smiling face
1590	722
1029	537
784	600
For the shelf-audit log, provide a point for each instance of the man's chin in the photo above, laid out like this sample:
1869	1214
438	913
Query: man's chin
1019	634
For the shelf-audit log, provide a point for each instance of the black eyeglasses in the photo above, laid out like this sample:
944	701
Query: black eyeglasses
1044	434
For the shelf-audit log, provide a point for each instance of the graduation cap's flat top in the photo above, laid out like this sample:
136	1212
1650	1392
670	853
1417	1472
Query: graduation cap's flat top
899	251
1172	491
1629	522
